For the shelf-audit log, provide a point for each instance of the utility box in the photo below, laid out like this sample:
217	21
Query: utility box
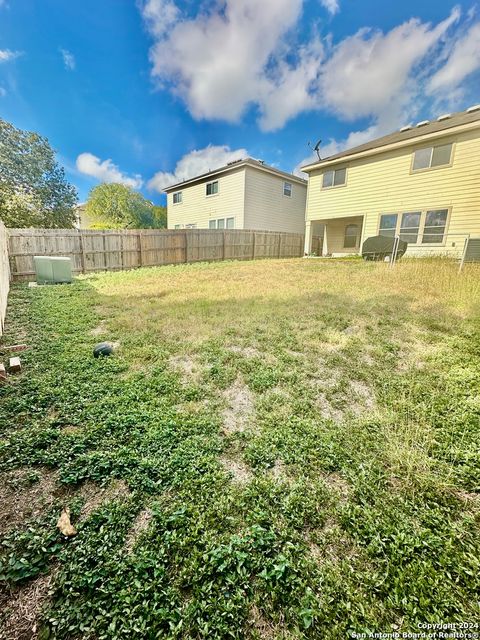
50	270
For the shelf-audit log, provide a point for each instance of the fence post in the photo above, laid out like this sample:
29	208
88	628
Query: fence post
254	245
104	251
82	251
122	257
279	244
186	245
223	246
140	249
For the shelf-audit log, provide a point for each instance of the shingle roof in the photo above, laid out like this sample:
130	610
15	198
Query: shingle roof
445	123
251	162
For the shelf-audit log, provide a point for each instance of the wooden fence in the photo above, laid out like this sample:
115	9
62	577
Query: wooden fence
4	275
98	250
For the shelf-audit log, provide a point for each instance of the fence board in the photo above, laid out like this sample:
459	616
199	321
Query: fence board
112	250
4	275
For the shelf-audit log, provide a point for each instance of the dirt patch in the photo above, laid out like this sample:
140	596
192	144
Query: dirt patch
328	410
187	367
239	410
279	471
100	330
332	545
364	397
140	524
247	352
265	629
339	485
239	471
95	496
26	494
22	609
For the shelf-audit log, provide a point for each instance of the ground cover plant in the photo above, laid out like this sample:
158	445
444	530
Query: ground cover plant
278	449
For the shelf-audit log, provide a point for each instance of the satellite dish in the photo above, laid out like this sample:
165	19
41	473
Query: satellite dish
316	148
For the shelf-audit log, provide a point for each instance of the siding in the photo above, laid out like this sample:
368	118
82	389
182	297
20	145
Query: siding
197	208
267	208
384	184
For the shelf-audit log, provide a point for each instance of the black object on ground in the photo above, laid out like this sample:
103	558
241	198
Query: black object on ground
102	349
379	247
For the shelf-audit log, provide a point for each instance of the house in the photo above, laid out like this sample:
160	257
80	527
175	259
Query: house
421	183
246	194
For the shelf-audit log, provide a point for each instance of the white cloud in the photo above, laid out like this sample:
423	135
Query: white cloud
224	60
237	54
68	59
106	171
370	73
196	163
464	60
7	54
331	6
3	92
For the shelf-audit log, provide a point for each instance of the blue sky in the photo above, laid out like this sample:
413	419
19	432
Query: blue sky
149	92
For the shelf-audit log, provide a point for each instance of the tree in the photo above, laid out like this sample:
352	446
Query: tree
119	207
159	217
33	188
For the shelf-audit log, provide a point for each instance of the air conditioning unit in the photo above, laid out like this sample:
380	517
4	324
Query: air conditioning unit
48	270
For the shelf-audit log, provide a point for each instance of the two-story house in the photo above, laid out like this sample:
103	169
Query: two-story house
421	183
246	194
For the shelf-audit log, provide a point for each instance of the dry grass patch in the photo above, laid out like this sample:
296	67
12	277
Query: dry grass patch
187	366
95	496
140	524
21	608
240	407
26	494
237	469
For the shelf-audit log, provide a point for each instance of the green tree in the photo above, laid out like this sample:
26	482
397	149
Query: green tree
119	207
33	188
159	217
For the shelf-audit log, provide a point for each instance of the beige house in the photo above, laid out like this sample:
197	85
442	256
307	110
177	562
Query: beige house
421	183
246	194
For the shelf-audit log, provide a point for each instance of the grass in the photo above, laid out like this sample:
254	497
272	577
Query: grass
278	449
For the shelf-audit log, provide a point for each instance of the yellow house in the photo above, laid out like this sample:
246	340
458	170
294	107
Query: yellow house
245	194
421	183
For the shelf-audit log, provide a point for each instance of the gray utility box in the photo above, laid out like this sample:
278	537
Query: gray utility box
52	270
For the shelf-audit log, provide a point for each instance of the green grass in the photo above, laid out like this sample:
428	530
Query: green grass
303	436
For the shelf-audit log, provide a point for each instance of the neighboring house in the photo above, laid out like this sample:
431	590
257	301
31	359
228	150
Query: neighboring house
246	194
82	220
421	183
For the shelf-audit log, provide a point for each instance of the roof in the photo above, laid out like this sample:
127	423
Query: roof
406	134
236	164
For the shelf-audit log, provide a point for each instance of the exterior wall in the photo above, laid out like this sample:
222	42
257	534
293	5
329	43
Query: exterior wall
385	184
197	208
266	208
335	236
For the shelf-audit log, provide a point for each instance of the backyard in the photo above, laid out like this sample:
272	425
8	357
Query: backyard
277	449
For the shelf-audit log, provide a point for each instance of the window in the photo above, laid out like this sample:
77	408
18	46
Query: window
230	223
410	226
287	189
334	178
177	197
212	224
212	188
388	224
221	223
432	157
434	229
351	236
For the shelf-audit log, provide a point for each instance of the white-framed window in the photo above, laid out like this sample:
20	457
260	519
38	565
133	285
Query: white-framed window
434	228
415	227
177	197
432	157
211	188
388	224
222	223
410	226
334	178
287	189
352	232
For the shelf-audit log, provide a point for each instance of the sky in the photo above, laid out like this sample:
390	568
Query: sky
150	92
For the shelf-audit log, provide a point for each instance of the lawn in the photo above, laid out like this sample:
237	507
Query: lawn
277	450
